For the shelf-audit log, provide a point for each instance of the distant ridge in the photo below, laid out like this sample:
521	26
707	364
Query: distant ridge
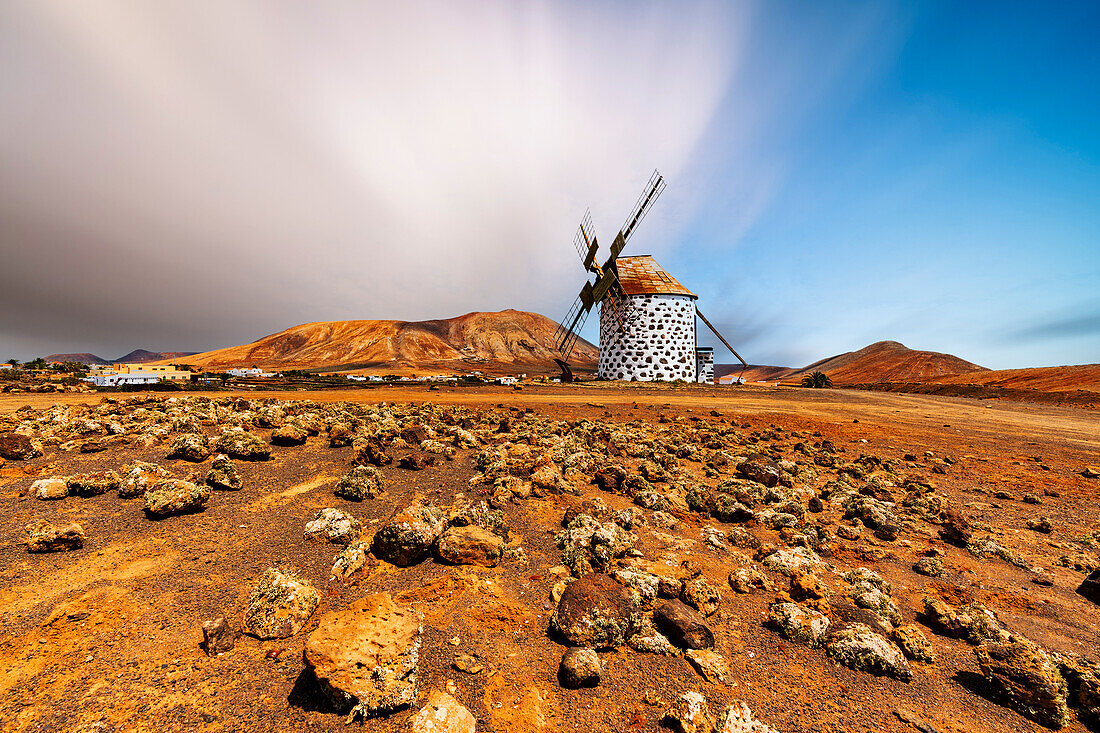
512	339
137	356
883	361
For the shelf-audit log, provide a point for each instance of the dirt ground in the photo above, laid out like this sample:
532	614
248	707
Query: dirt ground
106	638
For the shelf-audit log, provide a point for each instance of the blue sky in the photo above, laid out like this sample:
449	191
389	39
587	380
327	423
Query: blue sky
939	186
184	176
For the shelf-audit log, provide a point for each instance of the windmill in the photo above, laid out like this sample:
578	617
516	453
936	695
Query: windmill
647	318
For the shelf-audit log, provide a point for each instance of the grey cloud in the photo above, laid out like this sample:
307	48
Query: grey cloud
1087	324
182	175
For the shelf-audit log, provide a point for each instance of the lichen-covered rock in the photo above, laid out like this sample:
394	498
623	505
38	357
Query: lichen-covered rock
745	580
711	665
913	644
192	447
350	560
168	497
243	446
701	595
648	640
361	482
16	447
930	566
737	718
870	591
289	434
580	667
1027	678
683	625
408	537
443	714
279	605
792	560
45	537
588	546
50	488
138	476
365	658
223	474
469	545
760	469
333	525
93	484
596	611
689	713
858	647
973	622
340	434
798	623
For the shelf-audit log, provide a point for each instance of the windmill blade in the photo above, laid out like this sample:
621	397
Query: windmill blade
604	282
744	364
584	241
566	335
649	195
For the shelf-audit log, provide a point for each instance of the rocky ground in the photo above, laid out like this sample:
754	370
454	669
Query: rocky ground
599	558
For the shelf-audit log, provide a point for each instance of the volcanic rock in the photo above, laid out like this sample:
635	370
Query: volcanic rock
701	595
15	447
137	478
737	718
1027	678
288	435
798	623
93	484
469	545
596	611
243	446
365	657
192	447
350	560
49	488
223	474
408	537
218	636
1090	587
956	528
45	537
683	625
333	525
173	496
371	452
913	644
689	713
858	647
580	667
711	665
760	469
361	482
279	605
443	714
417	461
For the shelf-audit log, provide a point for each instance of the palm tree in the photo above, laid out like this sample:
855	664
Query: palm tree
817	380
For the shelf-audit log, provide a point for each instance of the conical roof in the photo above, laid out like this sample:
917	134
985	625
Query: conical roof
641	275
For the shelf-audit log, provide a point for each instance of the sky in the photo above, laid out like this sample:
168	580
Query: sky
184	176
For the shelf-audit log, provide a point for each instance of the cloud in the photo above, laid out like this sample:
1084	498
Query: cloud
1076	326
185	175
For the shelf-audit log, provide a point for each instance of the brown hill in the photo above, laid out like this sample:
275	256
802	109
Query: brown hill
883	361
81	358
1045	379
478	340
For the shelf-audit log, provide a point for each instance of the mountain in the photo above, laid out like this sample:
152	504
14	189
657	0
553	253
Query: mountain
137	356
883	361
505	338
84	358
1085	377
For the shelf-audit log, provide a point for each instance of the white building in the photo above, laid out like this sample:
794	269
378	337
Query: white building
242	372
505	380
658	316
704	365
114	380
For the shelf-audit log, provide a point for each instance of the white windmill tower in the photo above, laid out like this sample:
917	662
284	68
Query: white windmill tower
647	318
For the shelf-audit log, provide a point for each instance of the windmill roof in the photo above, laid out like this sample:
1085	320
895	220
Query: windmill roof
641	275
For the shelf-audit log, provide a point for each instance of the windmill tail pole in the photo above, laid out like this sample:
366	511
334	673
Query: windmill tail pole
744	364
